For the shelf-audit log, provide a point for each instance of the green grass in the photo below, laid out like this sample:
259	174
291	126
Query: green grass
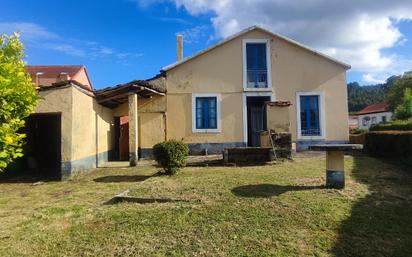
280	210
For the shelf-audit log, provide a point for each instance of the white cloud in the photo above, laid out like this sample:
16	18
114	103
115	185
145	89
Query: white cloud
28	30
36	35
352	30
66	49
194	34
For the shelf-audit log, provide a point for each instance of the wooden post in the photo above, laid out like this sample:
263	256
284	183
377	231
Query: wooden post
133	130
335	169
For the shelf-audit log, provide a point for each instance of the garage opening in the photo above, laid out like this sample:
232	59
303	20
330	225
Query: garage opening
42	151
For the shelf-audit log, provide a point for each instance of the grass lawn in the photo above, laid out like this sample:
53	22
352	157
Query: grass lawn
280	210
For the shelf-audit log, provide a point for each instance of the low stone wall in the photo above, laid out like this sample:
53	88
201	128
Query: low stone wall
248	155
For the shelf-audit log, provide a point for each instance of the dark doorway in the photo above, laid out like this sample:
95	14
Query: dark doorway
42	151
121	139
256	118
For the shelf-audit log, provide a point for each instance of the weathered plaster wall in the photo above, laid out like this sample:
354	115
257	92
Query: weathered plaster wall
221	71
179	119
60	101
151	129
82	78
278	118
91	136
151	112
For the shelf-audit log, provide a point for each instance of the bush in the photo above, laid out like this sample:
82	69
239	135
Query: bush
357	131
404	110
402	125
171	155
390	144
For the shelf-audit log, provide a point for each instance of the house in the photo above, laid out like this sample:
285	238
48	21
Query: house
75	127
353	122
374	114
212	100
46	75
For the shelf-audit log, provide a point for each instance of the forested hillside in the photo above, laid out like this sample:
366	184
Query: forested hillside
361	96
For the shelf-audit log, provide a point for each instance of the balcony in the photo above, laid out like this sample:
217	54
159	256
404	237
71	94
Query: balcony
257	79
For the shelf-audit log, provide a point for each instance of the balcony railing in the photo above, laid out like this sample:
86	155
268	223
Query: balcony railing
257	79
310	131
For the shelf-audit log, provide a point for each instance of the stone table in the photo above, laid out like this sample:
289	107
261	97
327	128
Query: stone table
335	170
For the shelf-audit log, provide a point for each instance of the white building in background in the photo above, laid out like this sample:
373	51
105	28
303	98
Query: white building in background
373	114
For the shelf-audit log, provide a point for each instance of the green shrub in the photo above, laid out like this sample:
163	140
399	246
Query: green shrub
357	131
404	110
402	125
390	144
171	155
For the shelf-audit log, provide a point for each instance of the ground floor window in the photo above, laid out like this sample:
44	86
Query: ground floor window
310	115
206	112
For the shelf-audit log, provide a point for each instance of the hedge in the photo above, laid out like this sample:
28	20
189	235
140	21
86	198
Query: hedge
390	144
357	138
403	125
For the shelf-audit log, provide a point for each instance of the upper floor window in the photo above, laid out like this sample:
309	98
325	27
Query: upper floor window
256	64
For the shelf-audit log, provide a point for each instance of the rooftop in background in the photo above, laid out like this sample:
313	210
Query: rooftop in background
47	75
374	108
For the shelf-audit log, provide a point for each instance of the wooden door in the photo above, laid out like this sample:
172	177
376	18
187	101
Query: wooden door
124	142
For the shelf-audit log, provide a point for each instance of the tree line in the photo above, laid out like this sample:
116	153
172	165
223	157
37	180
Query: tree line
393	91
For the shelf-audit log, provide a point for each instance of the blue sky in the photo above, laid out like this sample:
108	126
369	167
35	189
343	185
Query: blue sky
122	40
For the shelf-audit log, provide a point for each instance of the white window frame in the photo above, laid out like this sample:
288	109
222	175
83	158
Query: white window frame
268	64
321	114
218	116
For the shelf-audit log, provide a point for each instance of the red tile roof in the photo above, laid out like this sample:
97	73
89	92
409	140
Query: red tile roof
374	108
54	71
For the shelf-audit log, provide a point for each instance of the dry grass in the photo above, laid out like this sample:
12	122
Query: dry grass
280	210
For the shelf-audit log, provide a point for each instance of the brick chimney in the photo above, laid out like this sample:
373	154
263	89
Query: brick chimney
37	78
64	76
179	47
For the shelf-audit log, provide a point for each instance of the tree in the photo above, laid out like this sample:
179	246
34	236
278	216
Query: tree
397	89
18	98
361	96
404	110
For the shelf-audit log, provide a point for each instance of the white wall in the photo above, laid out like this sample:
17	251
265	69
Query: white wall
372	117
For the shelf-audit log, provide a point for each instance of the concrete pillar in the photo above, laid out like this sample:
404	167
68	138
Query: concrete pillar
133	130
335	170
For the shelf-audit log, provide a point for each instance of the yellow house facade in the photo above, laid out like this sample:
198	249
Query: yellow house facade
290	72
212	100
